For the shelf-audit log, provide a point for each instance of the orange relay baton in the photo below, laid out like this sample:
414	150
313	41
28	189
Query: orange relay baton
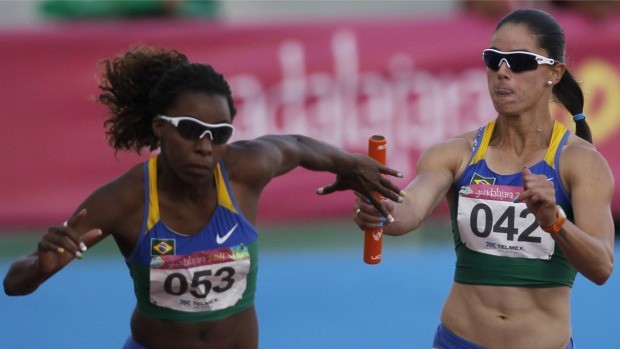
373	238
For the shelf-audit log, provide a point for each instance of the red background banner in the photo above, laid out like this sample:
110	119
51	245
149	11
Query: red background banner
414	81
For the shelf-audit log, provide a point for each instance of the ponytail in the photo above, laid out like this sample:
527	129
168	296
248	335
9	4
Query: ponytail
569	94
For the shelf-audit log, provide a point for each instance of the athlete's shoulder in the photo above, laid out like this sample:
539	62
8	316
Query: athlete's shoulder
575	143
451	154
123	192
244	152
133	177
581	159
578	150
461	143
251	162
117	203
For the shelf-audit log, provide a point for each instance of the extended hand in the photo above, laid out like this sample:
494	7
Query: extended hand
61	244
366	177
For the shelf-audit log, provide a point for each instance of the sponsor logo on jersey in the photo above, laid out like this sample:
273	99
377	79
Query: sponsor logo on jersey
504	247
222	239
491	192
201	258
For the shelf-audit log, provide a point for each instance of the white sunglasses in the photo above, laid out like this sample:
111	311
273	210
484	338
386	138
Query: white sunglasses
194	129
517	61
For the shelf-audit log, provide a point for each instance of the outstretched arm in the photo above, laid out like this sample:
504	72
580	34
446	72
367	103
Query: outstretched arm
273	155
436	171
116	203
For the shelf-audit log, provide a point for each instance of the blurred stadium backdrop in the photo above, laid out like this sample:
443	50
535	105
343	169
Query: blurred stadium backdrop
415	78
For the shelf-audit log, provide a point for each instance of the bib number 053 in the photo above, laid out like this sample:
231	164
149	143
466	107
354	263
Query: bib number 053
177	284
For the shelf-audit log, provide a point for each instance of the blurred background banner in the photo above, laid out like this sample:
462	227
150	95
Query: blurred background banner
335	70
415	81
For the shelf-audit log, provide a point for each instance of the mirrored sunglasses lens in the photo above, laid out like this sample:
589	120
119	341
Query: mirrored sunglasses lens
221	135
491	60
190	130
521	62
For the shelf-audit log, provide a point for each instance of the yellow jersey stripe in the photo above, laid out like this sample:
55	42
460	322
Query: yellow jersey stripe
153	196
484	143
558	133
223	197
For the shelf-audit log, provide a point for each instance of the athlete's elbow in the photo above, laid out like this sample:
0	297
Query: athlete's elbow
600	281
13	288
7	289
602	274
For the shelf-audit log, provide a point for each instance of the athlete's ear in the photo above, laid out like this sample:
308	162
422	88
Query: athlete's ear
556	72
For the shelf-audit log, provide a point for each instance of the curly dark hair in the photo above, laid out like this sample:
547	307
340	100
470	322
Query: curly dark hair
145	81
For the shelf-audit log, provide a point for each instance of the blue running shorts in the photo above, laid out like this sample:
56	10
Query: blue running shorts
446	339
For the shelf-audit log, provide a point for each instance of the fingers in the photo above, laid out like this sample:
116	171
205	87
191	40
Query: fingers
382	210
327	189
526	174
386	189
69	226
536	188
72	221
91	234
390	171
65	238
391	191
366	216
57	240
48	246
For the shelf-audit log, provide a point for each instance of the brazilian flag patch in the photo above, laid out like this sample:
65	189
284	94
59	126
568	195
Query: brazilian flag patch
478	179
161	247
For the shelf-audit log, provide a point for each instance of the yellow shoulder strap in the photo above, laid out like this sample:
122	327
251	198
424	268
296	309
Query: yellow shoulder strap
484	143
153	196
223	197
556	137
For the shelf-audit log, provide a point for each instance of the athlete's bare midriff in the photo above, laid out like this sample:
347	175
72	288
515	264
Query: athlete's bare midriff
239	331
501	317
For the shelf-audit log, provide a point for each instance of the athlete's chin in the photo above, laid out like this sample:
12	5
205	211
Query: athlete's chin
506	109
197	179
198	171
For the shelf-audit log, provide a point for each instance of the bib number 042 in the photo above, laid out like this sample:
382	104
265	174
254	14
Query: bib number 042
502	228
505	224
